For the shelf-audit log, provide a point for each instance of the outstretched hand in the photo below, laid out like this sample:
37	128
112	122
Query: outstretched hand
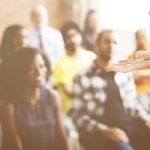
128	65
140	61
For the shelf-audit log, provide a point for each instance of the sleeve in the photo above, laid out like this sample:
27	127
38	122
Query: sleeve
135	108
61	45
79	114
59	73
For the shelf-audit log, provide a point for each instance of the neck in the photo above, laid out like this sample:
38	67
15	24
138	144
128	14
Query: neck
102	63
94	31
31	94
72	52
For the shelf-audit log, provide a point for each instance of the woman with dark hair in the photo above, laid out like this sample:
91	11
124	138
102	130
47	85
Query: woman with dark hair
91	30
14	36
30	113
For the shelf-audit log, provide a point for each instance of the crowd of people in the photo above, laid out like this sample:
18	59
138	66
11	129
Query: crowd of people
59	89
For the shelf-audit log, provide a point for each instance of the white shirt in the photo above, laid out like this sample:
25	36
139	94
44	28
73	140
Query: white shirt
52	42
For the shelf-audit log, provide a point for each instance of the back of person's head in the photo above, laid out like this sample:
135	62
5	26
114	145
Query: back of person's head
68	26
87	22
8	43
14	70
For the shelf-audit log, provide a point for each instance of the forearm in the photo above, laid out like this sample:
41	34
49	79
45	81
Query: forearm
61	134
85	122
11	142
62	138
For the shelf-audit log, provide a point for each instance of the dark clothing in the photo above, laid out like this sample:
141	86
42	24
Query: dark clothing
36	125
89	42
105	99
115	115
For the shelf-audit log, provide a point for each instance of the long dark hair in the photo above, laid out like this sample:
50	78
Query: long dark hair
87	28
13	71
7	42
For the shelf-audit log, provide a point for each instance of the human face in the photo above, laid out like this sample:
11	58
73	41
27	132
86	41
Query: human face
21	39
107	46
73	40
37	73
40	17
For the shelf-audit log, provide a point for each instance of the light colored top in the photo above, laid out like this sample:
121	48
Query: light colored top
52	42
66	69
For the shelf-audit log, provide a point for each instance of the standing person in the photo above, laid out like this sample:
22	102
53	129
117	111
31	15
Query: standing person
44	37
14	36
30	113
91	30
105	108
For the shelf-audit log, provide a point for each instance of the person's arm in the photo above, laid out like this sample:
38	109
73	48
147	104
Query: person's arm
60	78
130	65
62	140
67	89
140	61
85	123
11	138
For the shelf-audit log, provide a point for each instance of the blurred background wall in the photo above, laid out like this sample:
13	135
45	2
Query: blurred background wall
124	16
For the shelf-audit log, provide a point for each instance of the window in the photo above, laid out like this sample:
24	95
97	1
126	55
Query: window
127	15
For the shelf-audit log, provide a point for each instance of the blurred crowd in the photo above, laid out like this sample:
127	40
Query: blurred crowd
57	94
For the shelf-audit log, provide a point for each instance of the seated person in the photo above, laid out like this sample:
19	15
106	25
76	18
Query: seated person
30	113
74	60
105	108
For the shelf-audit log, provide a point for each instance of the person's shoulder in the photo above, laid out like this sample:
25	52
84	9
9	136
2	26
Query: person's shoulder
55	97
86	71
88	53
63	57
62	60
125	78
54	31
32	30
126	75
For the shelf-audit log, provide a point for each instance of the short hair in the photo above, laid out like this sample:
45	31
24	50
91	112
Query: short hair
7	42
13	71
67	26
38	7
101	34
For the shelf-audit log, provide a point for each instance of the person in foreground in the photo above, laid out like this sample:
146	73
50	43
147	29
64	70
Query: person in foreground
140	61
105	108
30	113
